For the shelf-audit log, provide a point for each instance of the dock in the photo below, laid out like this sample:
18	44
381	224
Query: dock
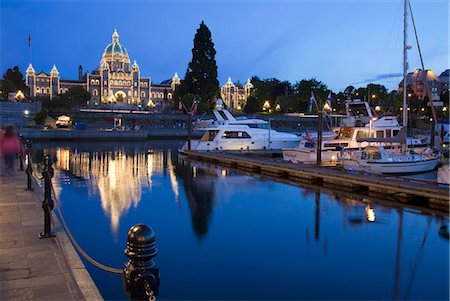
33	268
391	189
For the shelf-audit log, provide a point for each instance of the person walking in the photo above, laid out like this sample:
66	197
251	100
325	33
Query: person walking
9	147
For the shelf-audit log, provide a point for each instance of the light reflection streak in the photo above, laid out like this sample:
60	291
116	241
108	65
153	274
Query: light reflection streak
173	178
117	177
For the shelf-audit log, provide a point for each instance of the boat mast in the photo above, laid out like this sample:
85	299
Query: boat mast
405	66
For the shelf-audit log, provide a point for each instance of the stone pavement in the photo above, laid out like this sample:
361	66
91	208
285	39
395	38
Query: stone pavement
32	268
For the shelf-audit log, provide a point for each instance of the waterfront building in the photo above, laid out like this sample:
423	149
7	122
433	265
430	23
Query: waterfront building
235	96
416	83
116	81
445	81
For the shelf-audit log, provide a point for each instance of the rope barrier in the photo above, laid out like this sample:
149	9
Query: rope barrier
72	238
74	242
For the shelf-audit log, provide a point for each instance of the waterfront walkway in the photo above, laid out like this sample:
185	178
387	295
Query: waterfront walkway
32	268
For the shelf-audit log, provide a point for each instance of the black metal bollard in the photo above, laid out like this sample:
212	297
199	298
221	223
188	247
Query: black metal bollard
141	273
47	203
21	153
29	169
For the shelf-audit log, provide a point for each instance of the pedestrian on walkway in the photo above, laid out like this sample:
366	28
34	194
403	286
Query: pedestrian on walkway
9	147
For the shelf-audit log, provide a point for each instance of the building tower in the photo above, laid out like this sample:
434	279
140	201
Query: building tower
54	82
135	74
80	73
228	94
104	82
31	80
248	89
175	82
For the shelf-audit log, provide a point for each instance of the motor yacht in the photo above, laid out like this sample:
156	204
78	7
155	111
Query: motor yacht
229	137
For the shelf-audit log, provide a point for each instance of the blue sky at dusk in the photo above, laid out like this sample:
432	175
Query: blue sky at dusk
338	42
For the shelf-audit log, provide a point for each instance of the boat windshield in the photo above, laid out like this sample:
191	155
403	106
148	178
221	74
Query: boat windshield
209	135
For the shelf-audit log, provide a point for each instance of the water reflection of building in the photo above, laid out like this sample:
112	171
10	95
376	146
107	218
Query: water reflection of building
117	177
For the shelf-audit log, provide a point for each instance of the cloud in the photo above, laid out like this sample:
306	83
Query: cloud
379	77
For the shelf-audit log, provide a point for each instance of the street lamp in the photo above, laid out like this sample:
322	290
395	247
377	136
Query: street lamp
377	109
266	105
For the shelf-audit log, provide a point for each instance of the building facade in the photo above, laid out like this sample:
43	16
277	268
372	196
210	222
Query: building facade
116	81
418	81
235	96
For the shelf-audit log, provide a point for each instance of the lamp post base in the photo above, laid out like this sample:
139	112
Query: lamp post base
46	235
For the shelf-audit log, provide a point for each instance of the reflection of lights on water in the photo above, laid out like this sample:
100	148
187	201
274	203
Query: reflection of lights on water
172	176
370	214
194	171
224	173
117	177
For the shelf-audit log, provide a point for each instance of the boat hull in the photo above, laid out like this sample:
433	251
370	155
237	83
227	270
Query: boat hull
244	145
392	167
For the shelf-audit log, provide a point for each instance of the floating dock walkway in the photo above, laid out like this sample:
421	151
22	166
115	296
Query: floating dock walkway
417	193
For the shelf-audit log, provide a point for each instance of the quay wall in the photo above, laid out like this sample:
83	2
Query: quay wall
102	135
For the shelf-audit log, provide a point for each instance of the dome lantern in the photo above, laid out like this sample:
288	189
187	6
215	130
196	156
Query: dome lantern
115	36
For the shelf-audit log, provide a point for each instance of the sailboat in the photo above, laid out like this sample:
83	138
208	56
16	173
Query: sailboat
376	159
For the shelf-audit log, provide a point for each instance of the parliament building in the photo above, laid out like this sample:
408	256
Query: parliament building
116	81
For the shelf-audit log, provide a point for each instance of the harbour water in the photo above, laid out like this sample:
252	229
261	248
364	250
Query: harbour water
222	234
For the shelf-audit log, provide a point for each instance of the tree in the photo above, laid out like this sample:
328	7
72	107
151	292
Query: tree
75	96
12	82
252	106
201	74
303	91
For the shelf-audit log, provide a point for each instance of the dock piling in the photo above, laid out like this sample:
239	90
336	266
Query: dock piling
47	203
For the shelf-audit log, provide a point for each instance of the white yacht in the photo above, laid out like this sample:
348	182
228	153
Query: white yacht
241	138
359	125
223	117
377	159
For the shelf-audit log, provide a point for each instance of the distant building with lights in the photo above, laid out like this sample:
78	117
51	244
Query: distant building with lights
235	96
445	80
418	81
116	81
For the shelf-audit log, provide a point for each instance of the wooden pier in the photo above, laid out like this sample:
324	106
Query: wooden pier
412	192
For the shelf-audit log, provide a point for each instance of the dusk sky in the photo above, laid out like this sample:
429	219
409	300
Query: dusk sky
341	43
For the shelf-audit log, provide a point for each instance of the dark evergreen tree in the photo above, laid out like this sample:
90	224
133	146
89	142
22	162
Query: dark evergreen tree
201	74
12	82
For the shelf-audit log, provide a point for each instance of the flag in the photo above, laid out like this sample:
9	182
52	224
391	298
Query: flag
327	106
180	105
29	39
194	107
311	101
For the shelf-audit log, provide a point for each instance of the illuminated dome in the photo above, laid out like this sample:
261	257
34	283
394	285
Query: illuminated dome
116	55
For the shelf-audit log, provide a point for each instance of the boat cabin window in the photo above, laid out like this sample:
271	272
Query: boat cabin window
345	133
388	133
362	134
309	144
335	145
209	135
380	134
374	156
235	135
394	133
258	125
